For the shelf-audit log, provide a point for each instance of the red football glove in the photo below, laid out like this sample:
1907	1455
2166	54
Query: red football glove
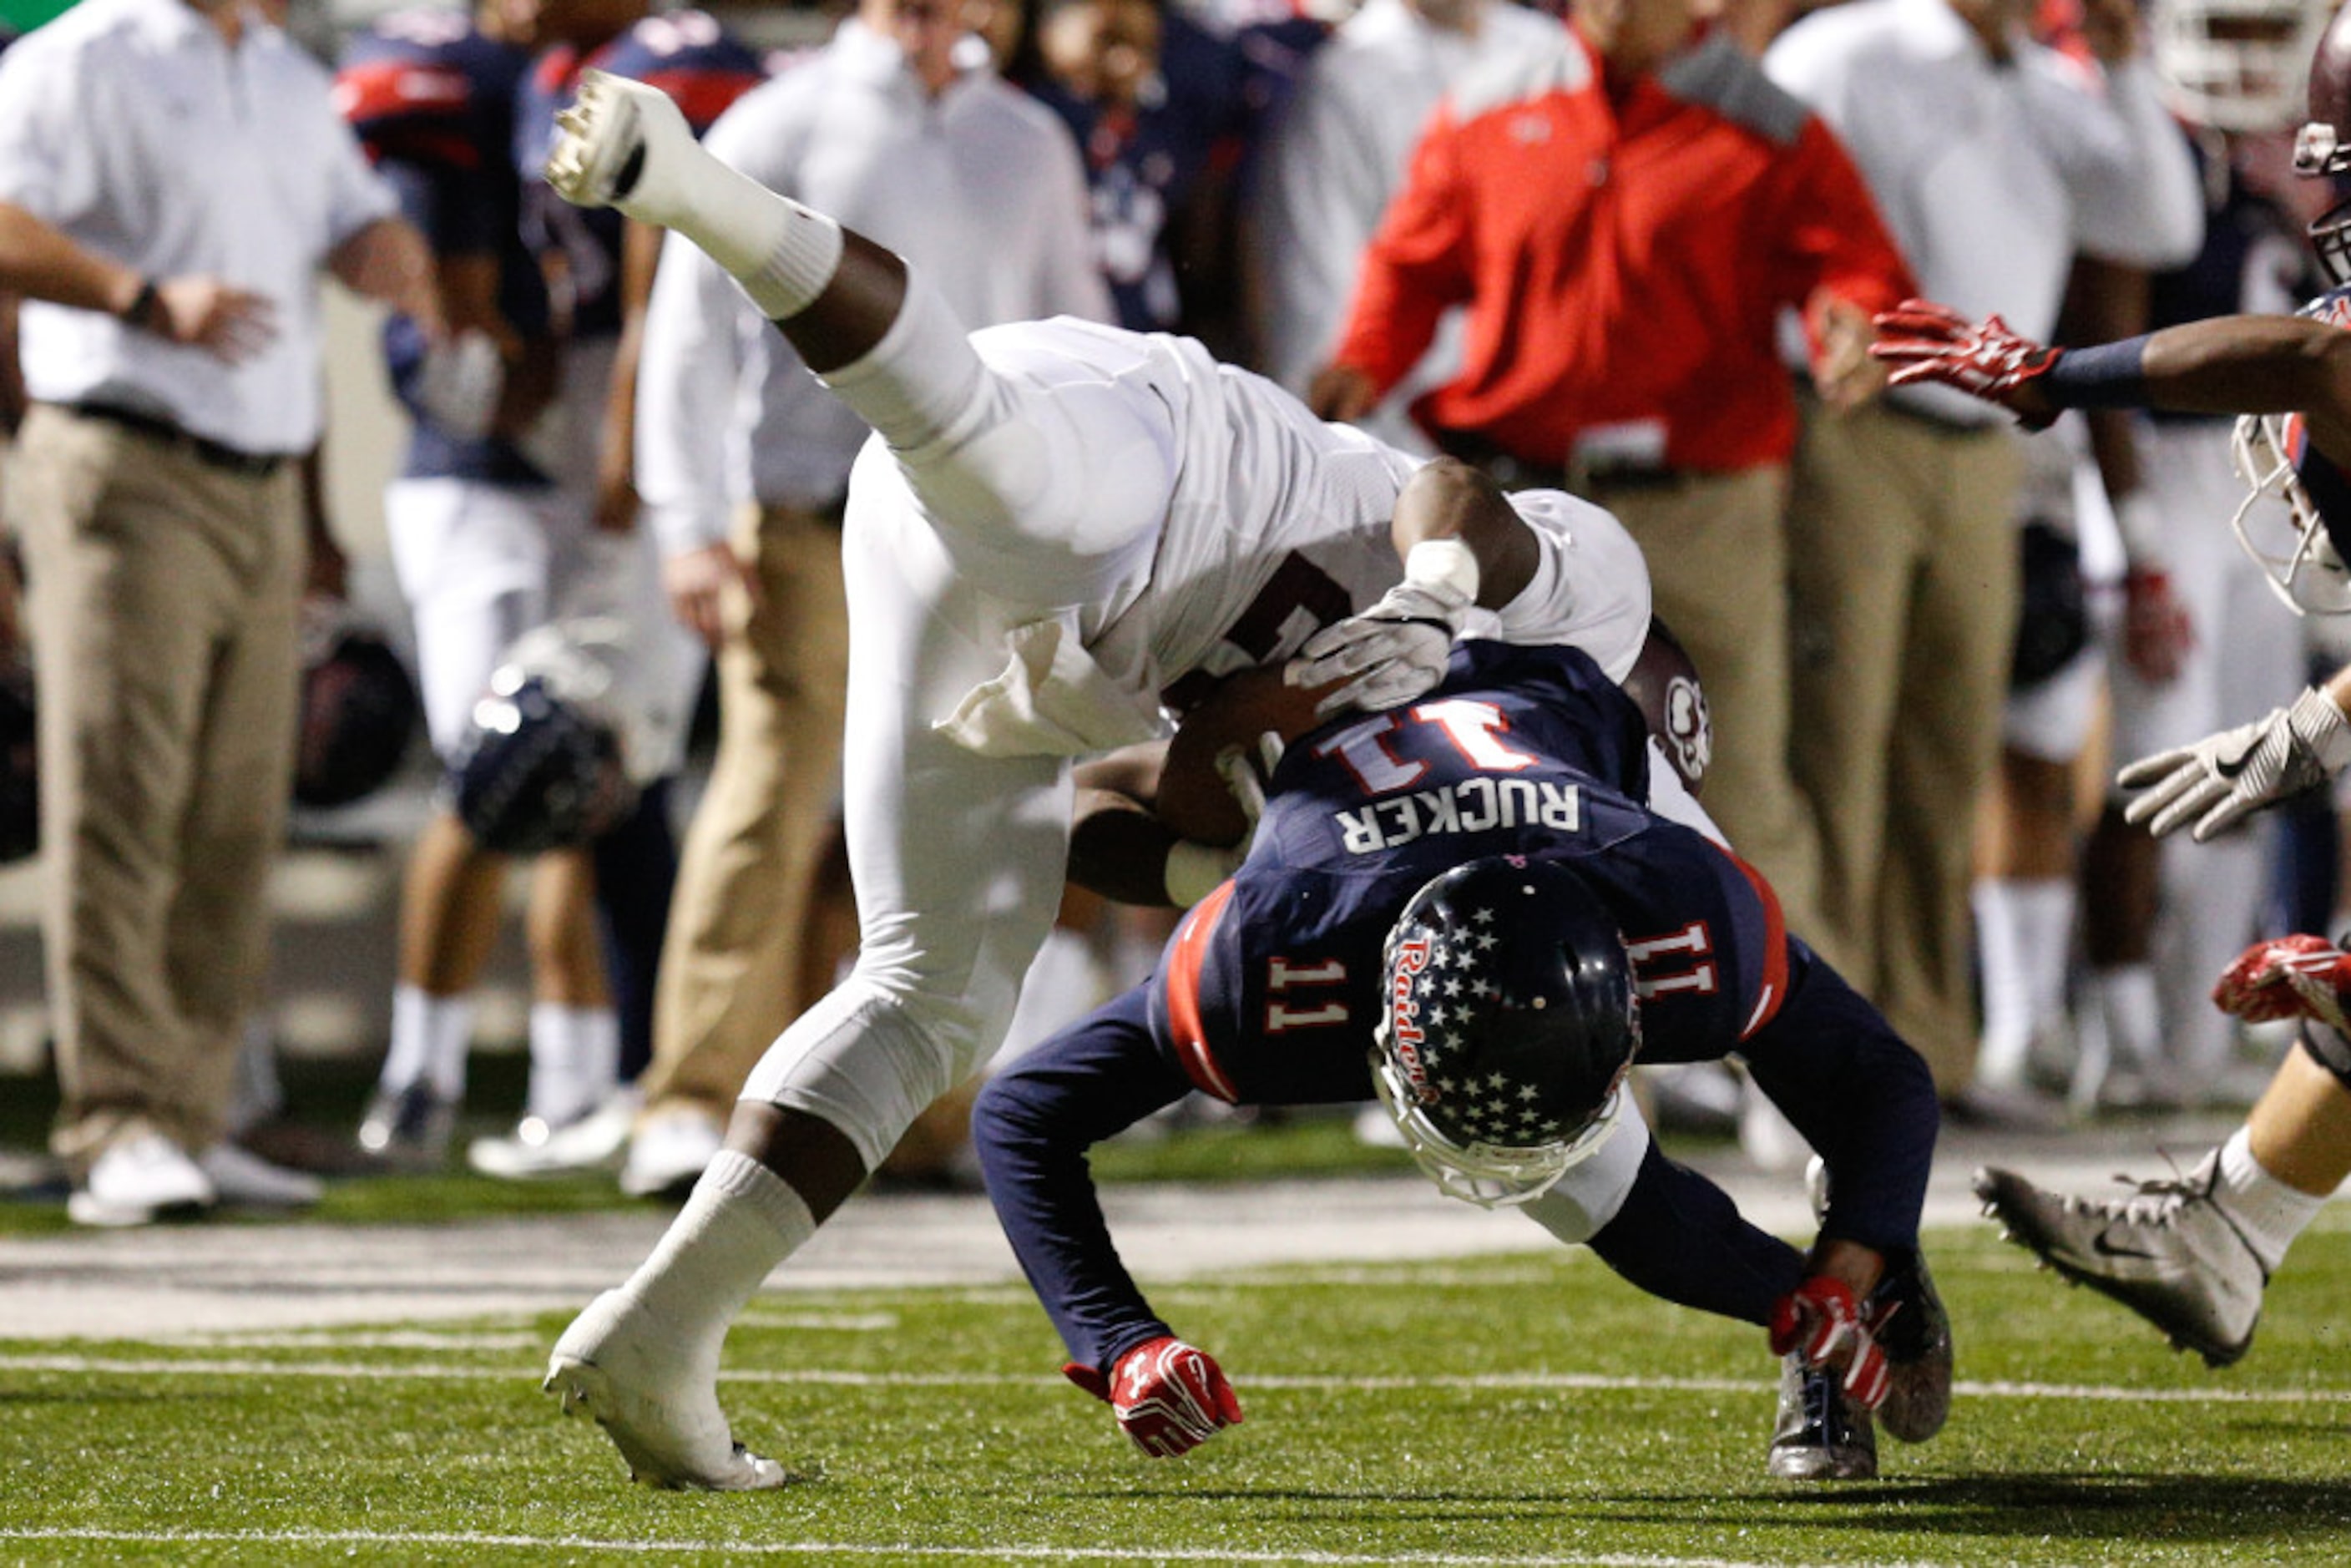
2293	976
1168	1396
2156	632
1820	1322
1928	343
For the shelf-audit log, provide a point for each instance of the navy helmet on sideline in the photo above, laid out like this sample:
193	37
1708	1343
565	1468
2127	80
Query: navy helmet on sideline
1508	1020
544	761
359	713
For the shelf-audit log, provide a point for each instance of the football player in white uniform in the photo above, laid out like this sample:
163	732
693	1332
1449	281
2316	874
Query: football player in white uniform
2193	1254
1061	532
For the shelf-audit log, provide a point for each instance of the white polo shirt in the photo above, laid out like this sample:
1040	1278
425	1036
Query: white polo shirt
1992	175
981	187
133	127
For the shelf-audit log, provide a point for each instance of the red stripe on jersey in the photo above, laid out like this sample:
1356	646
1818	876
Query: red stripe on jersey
1773	990
1189	1034
702	94
400	89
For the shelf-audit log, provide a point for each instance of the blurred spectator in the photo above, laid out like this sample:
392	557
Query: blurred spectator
1625	212
1336	153
902	129
604	568
483	544
1996	160
2168	917
1161	107
170	347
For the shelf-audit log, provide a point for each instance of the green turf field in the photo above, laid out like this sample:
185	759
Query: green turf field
1506	1411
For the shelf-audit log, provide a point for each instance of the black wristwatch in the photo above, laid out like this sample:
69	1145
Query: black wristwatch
141	311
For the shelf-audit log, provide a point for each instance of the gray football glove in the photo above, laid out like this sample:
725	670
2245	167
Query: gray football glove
2225	777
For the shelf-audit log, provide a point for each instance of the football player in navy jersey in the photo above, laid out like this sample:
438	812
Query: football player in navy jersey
475	527
534	525
1462	905
2193	1254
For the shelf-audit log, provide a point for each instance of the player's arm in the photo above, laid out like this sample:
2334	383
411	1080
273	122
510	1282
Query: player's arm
1031	1128
2223	365
1123	849
1462	545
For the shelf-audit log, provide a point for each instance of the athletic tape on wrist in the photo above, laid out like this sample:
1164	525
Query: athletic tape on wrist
1447	564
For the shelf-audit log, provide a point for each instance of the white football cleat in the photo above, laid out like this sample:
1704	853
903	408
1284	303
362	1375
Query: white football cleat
625	145
661	1411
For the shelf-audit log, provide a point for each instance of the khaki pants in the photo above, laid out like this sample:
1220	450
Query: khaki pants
1718	555
1905	594
739	918
162	595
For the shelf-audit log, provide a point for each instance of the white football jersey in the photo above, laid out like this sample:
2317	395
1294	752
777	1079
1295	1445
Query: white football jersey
1279	524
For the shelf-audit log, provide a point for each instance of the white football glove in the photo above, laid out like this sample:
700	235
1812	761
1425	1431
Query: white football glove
459	386
2222	778
1397	650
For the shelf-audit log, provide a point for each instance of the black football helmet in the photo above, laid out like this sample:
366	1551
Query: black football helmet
543	765
1509	1021
359	713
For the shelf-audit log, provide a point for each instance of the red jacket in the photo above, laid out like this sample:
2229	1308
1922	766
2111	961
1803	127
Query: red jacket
1624	263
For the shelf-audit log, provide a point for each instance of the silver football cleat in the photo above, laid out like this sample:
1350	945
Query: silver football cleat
1820	1435
1907	1318
613	1363
2168	1252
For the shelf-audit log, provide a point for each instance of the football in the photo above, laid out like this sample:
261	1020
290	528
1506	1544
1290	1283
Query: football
1193	797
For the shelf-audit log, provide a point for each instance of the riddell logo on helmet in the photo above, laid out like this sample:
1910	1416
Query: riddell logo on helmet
1404	1012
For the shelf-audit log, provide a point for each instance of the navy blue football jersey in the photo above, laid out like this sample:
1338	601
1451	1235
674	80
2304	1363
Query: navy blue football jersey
687	55
1268	991
432	101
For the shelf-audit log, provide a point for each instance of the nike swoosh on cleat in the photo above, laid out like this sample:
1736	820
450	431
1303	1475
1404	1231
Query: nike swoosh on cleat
2105	1248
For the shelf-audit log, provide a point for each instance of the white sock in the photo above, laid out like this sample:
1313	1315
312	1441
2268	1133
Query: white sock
2269	1212
575	1060
2134	1014
740	1222
430	1036
2023	929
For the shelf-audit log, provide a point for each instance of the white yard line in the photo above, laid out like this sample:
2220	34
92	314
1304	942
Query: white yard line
837	1550
444	1371
208	1282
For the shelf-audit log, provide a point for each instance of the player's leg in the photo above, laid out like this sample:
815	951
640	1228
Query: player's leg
1043	491
958	862
471	561
2193	1254
731	974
